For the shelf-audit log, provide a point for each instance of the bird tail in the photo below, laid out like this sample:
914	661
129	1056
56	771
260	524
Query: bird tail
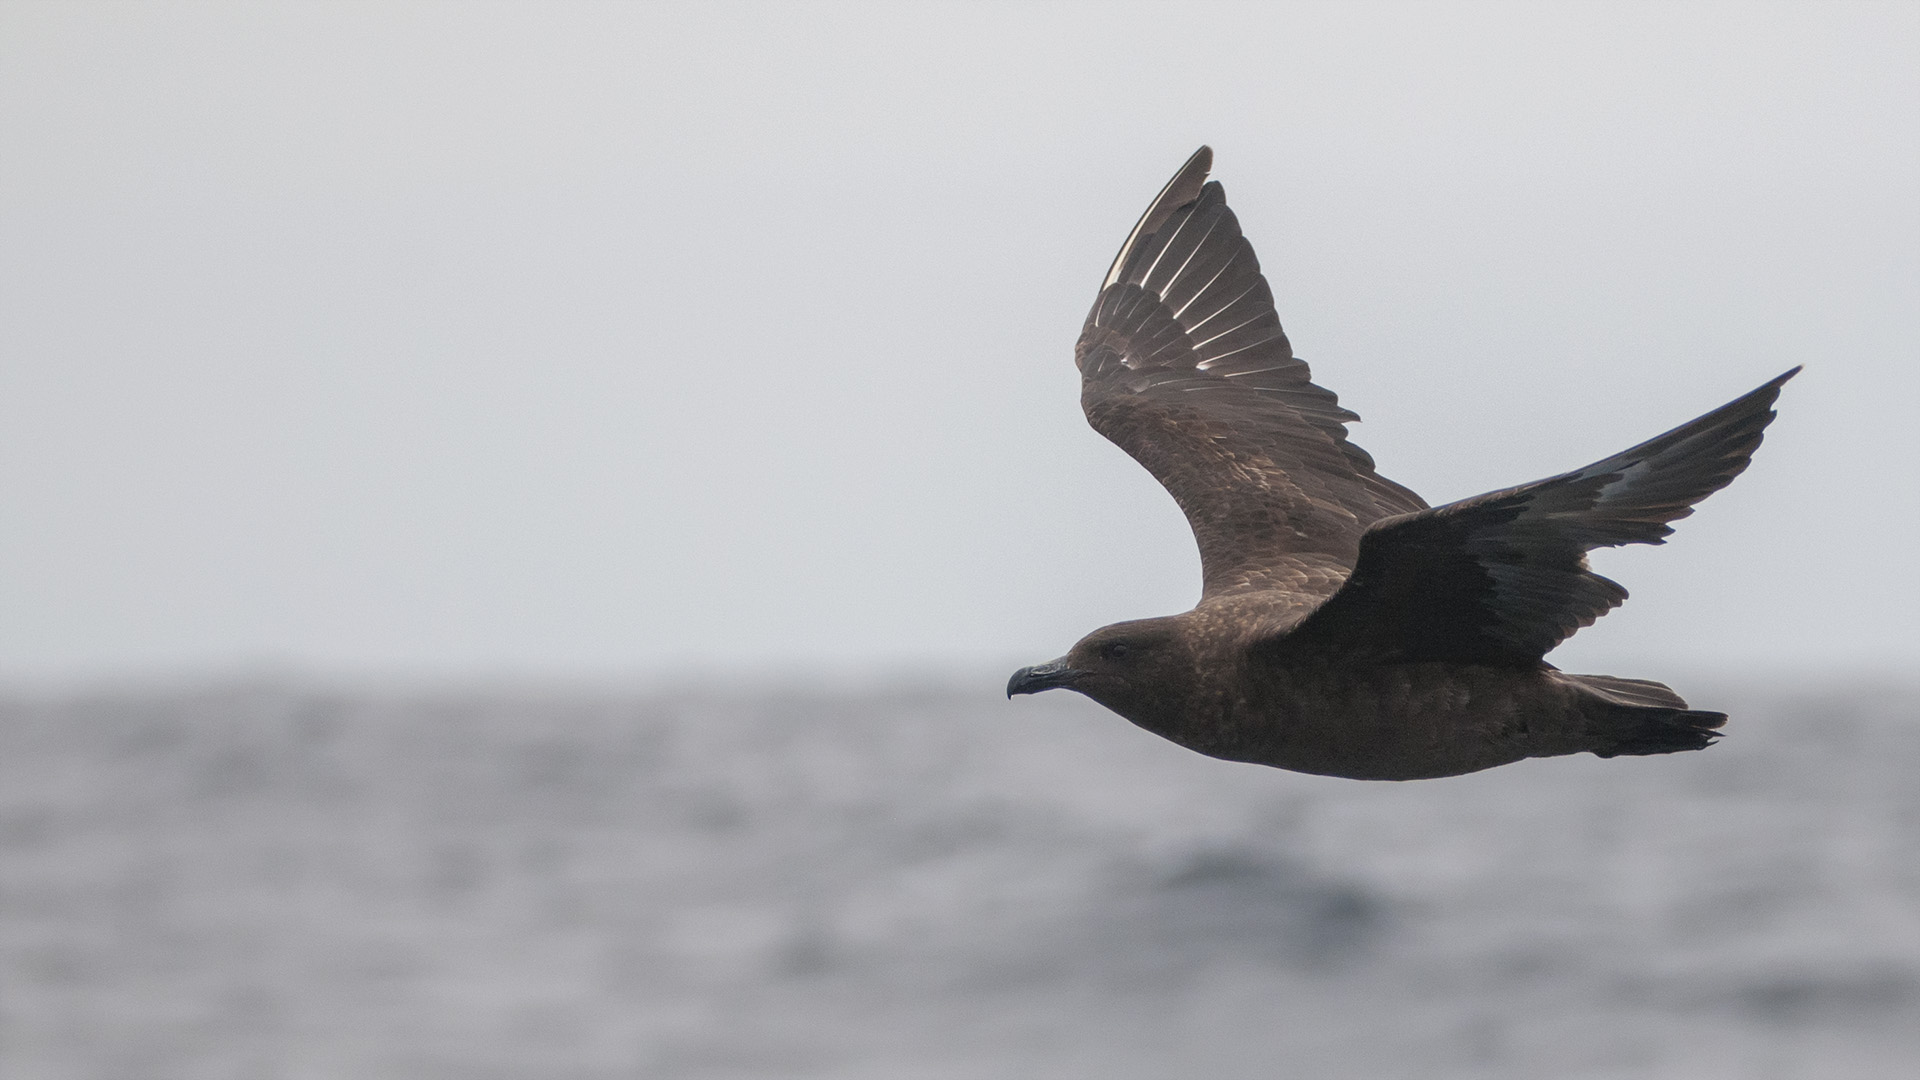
1635	716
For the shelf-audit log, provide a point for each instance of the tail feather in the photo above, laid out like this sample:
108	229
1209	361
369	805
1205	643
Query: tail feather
1636	716
1644	692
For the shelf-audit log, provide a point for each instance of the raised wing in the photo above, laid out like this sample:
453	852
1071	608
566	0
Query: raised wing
1184	366
1502	578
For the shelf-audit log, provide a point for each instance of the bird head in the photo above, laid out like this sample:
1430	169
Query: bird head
1133	668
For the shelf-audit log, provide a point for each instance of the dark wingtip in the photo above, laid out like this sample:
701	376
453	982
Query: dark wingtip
1182	189
1768	392
1759	398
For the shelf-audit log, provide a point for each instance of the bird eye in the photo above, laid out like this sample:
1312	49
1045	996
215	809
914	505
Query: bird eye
1114	650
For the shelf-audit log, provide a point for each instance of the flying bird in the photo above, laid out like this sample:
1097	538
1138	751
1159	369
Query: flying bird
1346	628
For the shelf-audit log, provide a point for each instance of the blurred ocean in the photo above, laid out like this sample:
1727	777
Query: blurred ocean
269	881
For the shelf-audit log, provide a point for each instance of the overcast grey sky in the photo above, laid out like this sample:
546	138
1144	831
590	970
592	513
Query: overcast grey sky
634	339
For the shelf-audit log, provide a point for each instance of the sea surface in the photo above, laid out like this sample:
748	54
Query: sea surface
270	880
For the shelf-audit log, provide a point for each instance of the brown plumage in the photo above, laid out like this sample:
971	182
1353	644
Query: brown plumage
1344	627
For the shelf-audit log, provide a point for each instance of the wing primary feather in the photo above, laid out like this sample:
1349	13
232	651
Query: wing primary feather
1185	366
1210	361
1250	320
1502	578
1181	311
1165	289
1193	174
1172	239
1198	323
1223	283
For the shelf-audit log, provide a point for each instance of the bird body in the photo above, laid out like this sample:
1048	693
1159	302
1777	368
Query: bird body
1345	627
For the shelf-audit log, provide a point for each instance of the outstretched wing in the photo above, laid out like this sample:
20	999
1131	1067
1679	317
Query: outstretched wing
1184	366
1502	578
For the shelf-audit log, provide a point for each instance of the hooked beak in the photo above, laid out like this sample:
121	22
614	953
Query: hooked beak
1048	676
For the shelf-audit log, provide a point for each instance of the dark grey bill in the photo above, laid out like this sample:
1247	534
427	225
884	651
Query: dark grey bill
1032	680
